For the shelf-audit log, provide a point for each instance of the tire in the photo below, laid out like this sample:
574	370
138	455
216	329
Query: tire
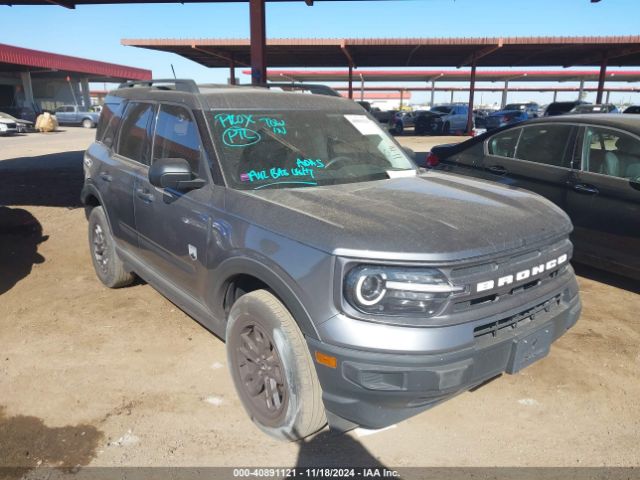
108	266
446	128
265	348
88	123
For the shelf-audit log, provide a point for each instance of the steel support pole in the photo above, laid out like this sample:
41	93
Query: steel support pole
451	97
608	96
258	42
581	89
505	92
433	93
86	95
350	81
232	71
361	88
603	73
401	98
555	95
472	87
27	87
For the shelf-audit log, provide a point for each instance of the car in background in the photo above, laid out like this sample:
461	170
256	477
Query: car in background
532	108
22	126
29	114
442	119
313	88
595	108
382	116
76	115
588	165
560	108
632	109
8	127
505	117
400	121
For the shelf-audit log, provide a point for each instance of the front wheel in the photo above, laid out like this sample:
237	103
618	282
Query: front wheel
87	123
272	369
108	266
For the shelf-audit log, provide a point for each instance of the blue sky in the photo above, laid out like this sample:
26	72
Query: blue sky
95	31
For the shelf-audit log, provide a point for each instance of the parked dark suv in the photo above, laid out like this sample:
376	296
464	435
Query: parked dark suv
349	287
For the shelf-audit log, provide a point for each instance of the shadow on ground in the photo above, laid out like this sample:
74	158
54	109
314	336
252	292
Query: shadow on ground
20	235
53	180
609	278
26	443
334	450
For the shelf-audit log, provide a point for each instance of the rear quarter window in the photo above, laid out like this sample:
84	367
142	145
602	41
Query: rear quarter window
110	119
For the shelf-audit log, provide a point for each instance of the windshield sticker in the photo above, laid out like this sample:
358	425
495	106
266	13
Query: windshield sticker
304	168
364	124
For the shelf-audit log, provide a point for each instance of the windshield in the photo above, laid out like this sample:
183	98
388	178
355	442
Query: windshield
290	149
515	106
441	109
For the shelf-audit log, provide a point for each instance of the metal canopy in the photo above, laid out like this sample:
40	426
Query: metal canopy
17	59
408	52
461	75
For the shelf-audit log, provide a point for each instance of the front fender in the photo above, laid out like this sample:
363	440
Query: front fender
281	284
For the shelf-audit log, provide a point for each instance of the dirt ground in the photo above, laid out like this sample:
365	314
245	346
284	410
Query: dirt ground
92	376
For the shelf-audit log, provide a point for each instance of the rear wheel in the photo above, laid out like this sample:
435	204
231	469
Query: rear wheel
108	266
272	369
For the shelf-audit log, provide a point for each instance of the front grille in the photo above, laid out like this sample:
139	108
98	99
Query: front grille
507	325
470	275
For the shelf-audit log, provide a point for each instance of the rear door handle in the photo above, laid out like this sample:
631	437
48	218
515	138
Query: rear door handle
106	177
497	169
585	188
144	195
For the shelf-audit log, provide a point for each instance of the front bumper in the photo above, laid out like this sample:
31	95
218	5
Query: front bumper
376	389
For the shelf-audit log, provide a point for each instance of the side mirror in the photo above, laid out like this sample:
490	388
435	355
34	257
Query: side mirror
174	173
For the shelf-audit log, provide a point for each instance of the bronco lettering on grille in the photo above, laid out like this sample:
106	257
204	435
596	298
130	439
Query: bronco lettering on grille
522	275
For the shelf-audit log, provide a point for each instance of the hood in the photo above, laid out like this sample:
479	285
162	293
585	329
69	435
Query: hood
505	112
432	217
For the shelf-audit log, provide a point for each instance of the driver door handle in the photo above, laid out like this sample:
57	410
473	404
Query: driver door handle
585	188
145	195
106	177
498	169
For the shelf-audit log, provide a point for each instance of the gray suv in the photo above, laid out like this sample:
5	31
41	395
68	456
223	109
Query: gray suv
350	287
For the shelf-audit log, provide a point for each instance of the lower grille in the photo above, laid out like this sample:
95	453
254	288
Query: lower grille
519	320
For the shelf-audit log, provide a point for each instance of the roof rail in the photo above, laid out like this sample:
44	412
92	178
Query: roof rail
183	85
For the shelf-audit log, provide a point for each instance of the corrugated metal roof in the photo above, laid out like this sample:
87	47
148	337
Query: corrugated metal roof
12	56
409	52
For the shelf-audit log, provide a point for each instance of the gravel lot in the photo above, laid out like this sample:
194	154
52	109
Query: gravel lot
92	376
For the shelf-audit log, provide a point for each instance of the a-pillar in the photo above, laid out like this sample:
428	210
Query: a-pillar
505	92
86	95
258	42
472	88
27	86
603	73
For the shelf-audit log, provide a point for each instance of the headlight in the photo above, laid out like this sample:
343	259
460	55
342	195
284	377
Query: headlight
397	291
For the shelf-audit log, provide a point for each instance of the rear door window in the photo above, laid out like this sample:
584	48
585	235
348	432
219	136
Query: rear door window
544	143
134	142
504	143
177	136
611	152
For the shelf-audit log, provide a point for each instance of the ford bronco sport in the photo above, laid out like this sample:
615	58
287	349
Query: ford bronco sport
350	287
